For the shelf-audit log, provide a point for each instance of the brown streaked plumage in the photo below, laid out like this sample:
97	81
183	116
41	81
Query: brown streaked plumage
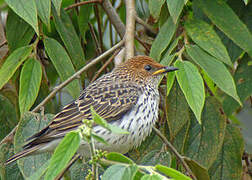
127	97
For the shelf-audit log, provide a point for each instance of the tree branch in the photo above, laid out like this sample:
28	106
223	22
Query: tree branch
114	17
130	28
66	82
145	25
81	4
175	152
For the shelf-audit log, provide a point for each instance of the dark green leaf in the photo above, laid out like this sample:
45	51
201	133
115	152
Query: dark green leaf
215	69
79	170
8	116
199	171
175	8
243	80
11	171
23	36
206	139
204	35
27	10
40	172
30	79
227	21
11	64
62	64
155	7
83	19
169	83
30	124
156	157
44	10
57	5
117	171
192	85
114	156
172	173
229	162
163	39
68	35
63	154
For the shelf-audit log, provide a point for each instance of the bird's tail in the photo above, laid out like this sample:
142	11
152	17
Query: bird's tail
23	153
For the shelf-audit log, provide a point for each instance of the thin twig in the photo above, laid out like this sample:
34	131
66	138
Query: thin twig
93	154
114	17
97	15
63	84
130	28
104	66
144	24
97	45
176	153
81	4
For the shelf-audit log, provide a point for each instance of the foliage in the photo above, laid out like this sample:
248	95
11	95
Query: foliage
210	41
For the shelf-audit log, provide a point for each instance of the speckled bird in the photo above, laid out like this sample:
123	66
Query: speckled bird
127	97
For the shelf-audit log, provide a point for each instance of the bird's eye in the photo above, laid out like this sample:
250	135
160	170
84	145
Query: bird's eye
147	67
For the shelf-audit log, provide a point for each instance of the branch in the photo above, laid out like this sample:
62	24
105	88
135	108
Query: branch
145	25
176	153
114	17
81	4
63	84
130	28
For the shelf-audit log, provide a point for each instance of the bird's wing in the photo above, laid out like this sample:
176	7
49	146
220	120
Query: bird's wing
110	100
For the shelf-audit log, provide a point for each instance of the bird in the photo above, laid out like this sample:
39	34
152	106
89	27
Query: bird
126	97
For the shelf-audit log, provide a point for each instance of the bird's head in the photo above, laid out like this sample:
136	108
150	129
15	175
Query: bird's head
144	69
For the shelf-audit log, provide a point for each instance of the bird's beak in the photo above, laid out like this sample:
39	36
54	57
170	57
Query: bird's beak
164	70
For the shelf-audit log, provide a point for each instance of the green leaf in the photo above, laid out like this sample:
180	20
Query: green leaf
163	39
99	139
171	47
152	177
27	10
102	122
8	116
30	124
68	35
175	8
83	19
23	36
215	69
199	171
30	79
172	173
118	171
204	35
116	129
206	139
44	10
229	162
114	156
62	64
57	5
192	85
169	83
155	7
243	81
40	172
156	157
98	119
228	22
63	154
11	64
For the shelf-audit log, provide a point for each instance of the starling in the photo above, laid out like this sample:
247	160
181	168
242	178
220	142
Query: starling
127	97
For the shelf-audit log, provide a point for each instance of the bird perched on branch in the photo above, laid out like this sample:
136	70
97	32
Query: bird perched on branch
127	97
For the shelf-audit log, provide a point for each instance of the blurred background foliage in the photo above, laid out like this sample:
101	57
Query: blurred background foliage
205	108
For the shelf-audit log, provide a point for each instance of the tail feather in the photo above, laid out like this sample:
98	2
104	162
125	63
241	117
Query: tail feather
23	153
